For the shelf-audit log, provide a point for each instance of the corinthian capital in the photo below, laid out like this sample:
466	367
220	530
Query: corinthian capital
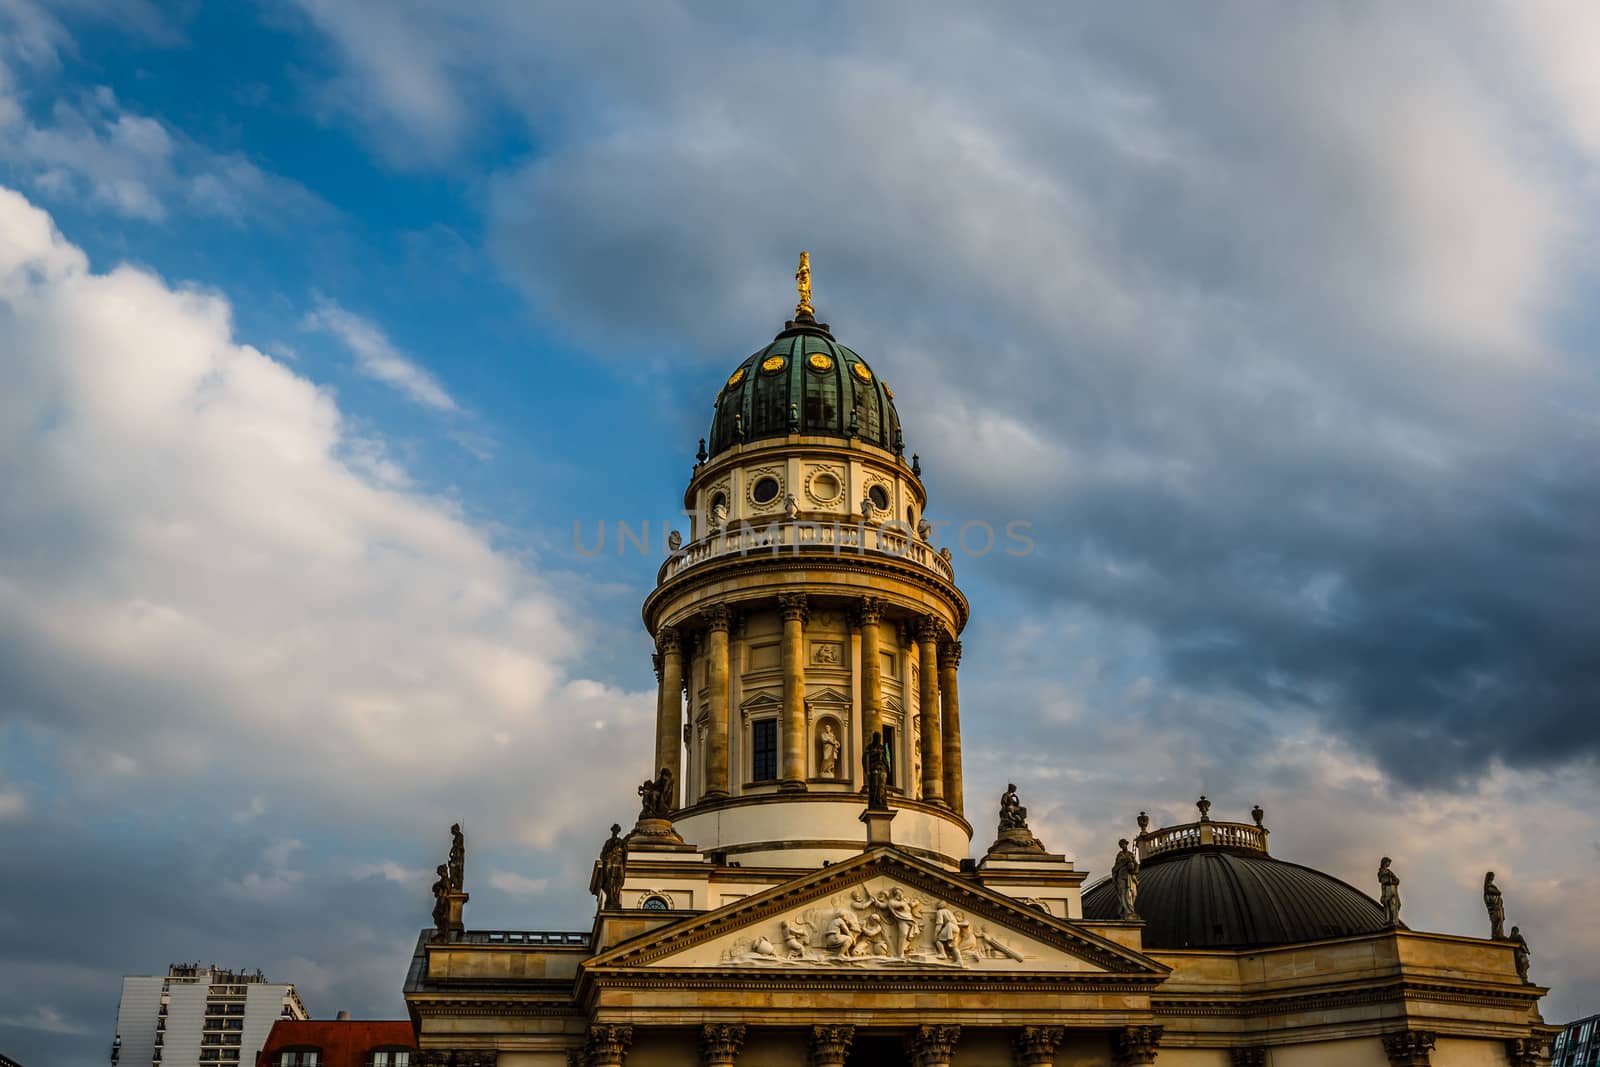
720	1043
717	617
869	611
929	629
830	1045
950	653
932	1045
1036	1045
793	606
668	640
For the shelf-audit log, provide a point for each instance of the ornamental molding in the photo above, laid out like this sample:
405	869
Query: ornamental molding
836	473
1392	992
754	476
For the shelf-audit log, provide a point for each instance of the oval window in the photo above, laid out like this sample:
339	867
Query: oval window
820	361
765	491
772	363
825	487
880	499
861	371
736	377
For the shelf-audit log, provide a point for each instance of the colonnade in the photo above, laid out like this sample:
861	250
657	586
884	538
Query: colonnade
939	704
830	1046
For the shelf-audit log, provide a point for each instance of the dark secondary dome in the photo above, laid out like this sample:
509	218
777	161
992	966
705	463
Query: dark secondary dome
805	382
1212	885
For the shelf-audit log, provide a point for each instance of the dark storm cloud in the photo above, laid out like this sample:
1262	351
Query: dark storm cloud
1254	319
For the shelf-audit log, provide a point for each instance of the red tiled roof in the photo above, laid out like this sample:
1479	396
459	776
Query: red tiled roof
342	1042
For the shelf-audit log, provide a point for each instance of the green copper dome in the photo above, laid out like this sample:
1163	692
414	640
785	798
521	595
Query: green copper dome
805	382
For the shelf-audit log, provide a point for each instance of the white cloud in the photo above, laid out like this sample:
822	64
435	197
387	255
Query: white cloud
12	802
517	884
389	871
377	358
43	1018
200	586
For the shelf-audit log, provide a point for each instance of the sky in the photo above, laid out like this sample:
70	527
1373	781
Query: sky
323	325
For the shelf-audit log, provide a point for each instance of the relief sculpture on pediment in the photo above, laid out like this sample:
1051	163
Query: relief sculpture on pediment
883	928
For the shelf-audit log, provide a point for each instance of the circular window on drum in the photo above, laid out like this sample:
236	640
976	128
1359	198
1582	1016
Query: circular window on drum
824	487
766	489
879	497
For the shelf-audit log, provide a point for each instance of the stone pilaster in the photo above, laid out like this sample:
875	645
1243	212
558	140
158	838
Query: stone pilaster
716	617
950	721
669	707
792	734
928	633
1254	1056
932	1046
1409	1048
720	1044
1135	1045
830	1045
869	616
607	1046
1035	1046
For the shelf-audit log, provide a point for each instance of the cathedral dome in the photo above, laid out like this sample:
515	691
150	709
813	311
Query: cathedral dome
805	382
1213	885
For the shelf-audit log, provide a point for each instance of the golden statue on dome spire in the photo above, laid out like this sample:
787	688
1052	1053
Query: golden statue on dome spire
802	284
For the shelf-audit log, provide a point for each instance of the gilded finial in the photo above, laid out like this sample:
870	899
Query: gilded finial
802	284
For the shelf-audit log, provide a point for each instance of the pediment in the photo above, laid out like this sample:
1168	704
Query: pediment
884	911
827	695
761	700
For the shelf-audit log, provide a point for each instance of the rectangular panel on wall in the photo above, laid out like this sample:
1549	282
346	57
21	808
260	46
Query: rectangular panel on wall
764	657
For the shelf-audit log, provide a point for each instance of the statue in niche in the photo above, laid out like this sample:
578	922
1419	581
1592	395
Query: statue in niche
1496	906
441	904
1389	892
719	516
613	868
1521	954
875	761
458	858
828	742
1013	816
1125	875
656	796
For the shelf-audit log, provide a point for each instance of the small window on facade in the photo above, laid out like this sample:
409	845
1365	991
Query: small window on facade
880	498
657	902
764	750
765	490
889	750
398	1058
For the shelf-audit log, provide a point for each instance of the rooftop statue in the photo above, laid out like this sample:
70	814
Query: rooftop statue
1521	953
875	761
458	858
657	796
613	868
1013	816
1495	905
441	904
1125	873
1389	891
802	284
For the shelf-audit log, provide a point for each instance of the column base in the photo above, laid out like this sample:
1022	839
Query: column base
878	820
791	785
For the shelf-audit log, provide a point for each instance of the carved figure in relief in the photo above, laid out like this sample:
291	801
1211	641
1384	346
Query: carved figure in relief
674	541
828	764
947	933
1389	891
1125	873
719	515
1496	906
826	654
796	933
791	506
842	935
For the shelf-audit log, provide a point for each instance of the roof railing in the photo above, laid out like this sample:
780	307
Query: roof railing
1204	833
787	536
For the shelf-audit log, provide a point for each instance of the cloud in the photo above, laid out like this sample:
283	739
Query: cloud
43	1018
377	358
86	148
517	884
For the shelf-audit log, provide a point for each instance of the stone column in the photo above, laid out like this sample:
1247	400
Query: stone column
669	708
793	730
716	617
932	1046
869	614
1035	1046
1135	1045
720	1044
928	632
830	1045
607	1046
1409	1048
950	720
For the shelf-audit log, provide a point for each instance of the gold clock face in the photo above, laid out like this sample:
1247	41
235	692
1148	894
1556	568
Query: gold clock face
772	363
736	377
861	371
820	361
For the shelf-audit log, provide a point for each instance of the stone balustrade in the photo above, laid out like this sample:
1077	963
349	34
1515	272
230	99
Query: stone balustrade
801	536
1238	835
